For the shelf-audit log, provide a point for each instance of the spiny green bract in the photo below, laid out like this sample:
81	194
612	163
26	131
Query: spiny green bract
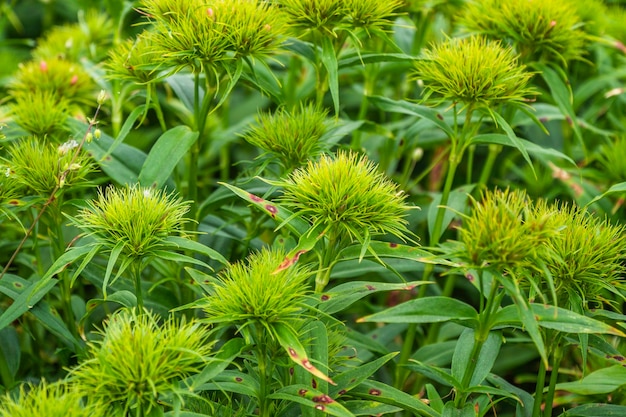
473	71
209	35
90	37
66	80
139	360
254	291
611	157
346	196
39	166
41	113
134	60
293	137
49	400
504	232
142	218
540	30
586	258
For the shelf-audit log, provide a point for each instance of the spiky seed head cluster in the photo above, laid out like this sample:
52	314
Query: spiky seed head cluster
41	113
348	197
586	259
39	167
203	35
139	360
50	400
90	37
142	218
328	16
473	71
256	291
540	30
585	256
616	16
65	79
503	232
134	60
291	136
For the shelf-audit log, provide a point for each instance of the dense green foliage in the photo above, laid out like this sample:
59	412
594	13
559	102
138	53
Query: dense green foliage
309	207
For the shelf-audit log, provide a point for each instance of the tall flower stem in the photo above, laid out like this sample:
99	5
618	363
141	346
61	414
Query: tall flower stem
136	271
264	375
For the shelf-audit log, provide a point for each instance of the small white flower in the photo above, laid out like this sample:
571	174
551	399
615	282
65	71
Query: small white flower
67	146
7	173
147	193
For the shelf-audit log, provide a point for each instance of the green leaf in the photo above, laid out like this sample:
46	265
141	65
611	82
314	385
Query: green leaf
405	107
435	373
344	295
10	353
165	154
70	256
26	301
178	257
449	410
562	95
484	362
275	211
427	310
532	148
218	363
192	245
121	163
115	254
515	141
378	391
305	395
329	60
596	410
290	341
234	382
602	381
434	399
349	379
374	57
558	319
393	250
615	189
126	127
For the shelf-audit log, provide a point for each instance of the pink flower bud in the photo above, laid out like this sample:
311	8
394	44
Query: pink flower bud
43	66
74	79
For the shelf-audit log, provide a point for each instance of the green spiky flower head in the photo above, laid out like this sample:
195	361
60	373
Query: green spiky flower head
586	259
41	167
257	291
139	218
139	361
348	197
292	137
540	30
504	232
134	60
50	400
473	71
211	34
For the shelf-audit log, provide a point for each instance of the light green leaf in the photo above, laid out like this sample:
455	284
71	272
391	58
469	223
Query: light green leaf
305	395
165	154
596	410
615	189
378	391
329	60
192	245
344	295
516	142
484	362
602	381
349	379
532	148
427	310
218	363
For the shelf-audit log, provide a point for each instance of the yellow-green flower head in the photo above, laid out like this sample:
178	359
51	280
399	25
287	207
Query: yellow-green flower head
372	15
293	137
504	232
611	157
134	60
64	79
203	34
40	167
348	197
138	361
50	400
473	71
256	291
540	30
41	113
89	38
586	259
141	218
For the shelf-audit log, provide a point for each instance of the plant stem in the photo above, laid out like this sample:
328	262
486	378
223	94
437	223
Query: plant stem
554	374
261	353
136	270
494	151
541	380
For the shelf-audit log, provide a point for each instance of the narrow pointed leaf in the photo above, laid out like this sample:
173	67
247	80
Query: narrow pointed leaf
329	60
349	379
192	245
378	391
317	400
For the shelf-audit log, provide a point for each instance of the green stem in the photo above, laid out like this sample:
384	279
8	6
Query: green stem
136	270
541	380
5	373
494	151
264	409
554	375
328	256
